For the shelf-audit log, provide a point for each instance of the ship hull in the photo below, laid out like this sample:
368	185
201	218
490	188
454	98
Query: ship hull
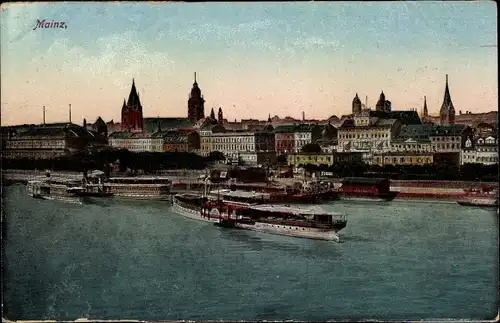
291	231
478	202
278	229
192	213
305	198
382	197
137	196
65	199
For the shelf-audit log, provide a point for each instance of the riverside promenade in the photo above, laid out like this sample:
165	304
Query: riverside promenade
183	180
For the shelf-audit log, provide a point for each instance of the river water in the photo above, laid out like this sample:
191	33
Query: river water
122	259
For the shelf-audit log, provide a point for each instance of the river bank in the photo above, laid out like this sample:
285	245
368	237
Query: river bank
185	181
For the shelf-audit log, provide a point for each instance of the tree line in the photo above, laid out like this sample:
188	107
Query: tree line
124	159
442	171
156	161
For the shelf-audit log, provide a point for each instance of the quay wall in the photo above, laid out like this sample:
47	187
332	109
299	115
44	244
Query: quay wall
418	189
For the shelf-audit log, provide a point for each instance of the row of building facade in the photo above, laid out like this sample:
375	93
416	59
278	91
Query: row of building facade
379	136
379	141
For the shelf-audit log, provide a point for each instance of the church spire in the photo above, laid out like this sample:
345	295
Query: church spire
447	96
220	116
426	112
194	77
133	98
212	114
447	112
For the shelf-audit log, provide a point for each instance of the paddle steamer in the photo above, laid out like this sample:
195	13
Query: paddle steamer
295	221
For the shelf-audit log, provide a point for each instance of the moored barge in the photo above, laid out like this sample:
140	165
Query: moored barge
482	197
145	188
365	188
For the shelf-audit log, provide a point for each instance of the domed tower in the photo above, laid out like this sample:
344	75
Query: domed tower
447	112
196	103
356	105
381	102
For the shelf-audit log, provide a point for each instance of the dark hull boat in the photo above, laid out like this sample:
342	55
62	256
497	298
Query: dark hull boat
310	223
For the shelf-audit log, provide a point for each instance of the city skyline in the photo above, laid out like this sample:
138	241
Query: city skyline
250	59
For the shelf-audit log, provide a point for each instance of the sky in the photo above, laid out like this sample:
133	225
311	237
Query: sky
251	59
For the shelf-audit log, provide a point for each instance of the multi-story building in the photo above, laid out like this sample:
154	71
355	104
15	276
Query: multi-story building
329	139
305	134
48	141
411	138
231	144
329	159
132	141
403	158
181	140
480	150
234	143
175	140
448	138
206	132
487	150
415	142
257	158
157	141
284	139
367	134
301	159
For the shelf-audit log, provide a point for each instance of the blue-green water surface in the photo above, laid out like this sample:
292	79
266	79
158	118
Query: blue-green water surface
121	259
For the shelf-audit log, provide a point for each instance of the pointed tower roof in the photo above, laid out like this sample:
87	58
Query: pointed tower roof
212	114
195	91
133	98
447	103
269	118
426	112
356	98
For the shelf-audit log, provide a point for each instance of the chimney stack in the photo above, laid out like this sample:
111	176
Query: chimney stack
303	116
70	113
44	115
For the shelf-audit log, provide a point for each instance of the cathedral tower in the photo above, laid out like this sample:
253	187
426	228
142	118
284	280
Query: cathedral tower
132	119
356	105
447	112
196	103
